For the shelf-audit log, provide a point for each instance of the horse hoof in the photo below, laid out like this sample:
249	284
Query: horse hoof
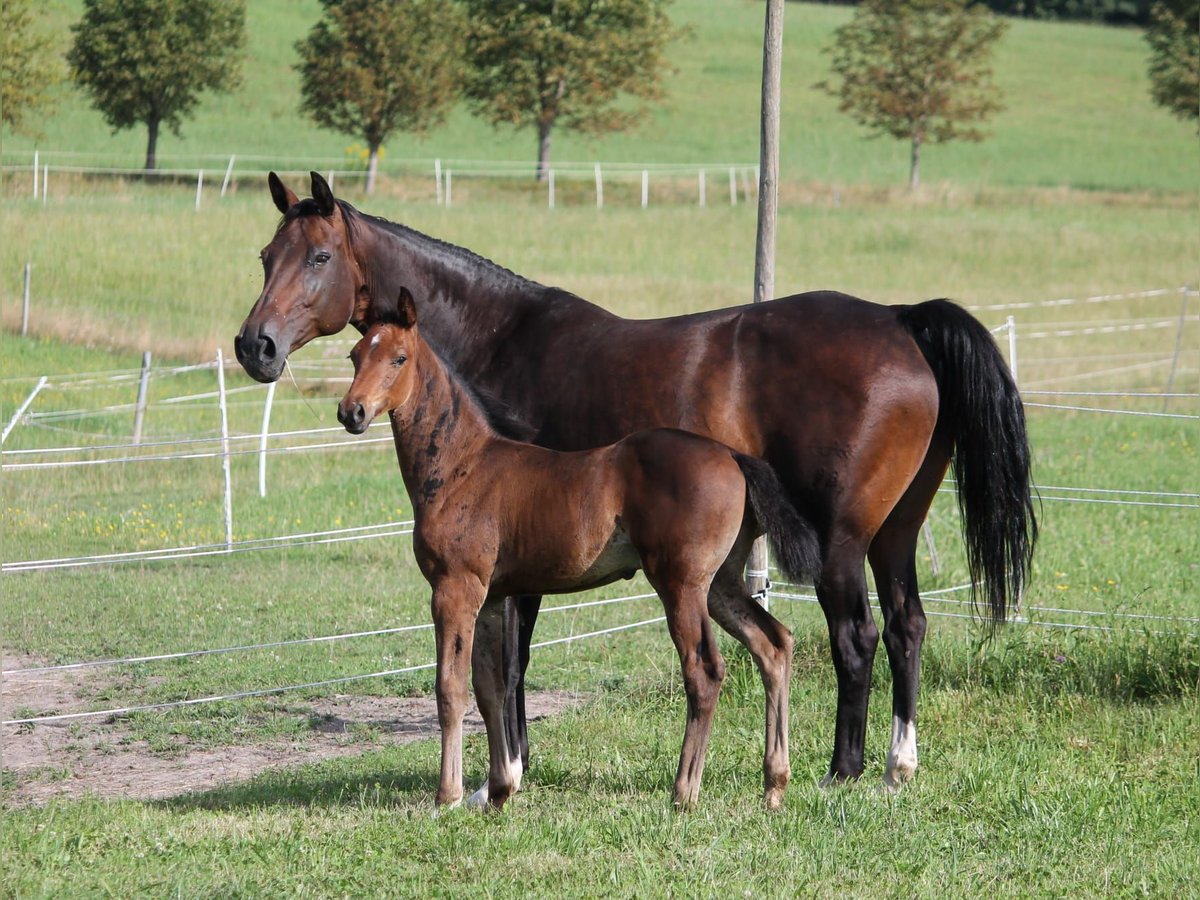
773	798
479	799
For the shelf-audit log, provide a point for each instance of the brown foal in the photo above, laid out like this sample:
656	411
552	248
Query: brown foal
496	517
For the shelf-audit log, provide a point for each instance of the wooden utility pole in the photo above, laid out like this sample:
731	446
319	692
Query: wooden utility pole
768	203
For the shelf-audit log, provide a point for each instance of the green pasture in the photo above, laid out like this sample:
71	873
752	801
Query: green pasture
1055	761
139	268
1078	112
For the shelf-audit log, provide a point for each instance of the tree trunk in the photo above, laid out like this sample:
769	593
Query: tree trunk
914	168
152	144
543	163
372	167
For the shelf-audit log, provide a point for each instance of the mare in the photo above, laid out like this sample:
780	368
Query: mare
858	407
497	517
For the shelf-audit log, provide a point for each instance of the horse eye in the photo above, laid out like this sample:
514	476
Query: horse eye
399	361
321	258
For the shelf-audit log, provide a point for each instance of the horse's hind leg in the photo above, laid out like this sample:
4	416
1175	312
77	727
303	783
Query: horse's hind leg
490	670
893	560
853	639
770	643
903	633
703	672
520	615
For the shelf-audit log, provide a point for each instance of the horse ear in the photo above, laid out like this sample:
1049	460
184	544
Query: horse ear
282	195
406	309
323	194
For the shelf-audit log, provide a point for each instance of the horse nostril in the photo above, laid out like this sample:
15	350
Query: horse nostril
268	347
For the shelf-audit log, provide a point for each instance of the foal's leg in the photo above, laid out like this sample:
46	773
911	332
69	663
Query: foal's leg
520	615
770	643
853	638
455	604
488	666
703	672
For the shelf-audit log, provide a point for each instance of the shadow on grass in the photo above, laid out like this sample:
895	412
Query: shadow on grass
312	786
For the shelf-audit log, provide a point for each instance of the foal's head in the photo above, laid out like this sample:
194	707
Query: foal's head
383	374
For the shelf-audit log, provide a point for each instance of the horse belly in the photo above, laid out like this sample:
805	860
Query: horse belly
616	559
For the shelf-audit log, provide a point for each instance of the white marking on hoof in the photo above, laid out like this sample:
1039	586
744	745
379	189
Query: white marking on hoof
902	758
479	799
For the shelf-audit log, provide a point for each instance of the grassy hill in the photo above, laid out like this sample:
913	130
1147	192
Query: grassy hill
1077	112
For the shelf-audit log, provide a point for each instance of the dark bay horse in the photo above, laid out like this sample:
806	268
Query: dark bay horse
858	407
497	517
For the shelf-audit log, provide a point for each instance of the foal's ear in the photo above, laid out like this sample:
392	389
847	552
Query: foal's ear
406	309
282	195
323	194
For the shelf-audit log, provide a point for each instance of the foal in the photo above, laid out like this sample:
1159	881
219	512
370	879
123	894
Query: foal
496	518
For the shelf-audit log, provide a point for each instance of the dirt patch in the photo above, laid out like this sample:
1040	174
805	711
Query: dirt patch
87	757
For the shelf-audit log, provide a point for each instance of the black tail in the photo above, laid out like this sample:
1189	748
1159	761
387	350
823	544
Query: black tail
793	537
982	409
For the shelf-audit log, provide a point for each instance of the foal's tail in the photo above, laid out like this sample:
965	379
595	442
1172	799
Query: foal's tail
982	410
793	537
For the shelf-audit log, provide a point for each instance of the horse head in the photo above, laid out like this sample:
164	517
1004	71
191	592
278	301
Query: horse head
310	280
383	374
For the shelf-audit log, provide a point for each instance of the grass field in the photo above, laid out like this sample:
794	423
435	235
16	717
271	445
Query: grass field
1077	114
1055	761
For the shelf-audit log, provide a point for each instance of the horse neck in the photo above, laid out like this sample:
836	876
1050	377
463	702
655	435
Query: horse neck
470	306
462	299
437	430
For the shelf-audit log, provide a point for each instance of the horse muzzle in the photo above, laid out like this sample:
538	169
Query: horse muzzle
258	352
353	417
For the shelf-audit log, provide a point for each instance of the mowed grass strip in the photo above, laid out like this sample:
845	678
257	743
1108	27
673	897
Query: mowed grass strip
144	271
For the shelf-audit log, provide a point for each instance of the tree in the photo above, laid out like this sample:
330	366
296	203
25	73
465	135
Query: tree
373	67
568	63
1174	39
147	61
917	70
28	67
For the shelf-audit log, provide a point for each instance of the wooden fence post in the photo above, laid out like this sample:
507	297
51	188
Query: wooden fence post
757	580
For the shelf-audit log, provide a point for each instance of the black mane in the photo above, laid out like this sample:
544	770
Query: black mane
454	252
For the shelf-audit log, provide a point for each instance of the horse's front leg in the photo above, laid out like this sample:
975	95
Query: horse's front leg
455	605
493	691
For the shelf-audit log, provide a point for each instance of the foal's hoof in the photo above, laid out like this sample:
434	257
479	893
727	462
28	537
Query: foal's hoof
773	799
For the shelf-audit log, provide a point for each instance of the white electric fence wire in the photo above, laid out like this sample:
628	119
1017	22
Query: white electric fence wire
1115	412
1150	395
275	435
349	443
240	695
1036	623
188	654
932	597
253	544
1109	329
1072	301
